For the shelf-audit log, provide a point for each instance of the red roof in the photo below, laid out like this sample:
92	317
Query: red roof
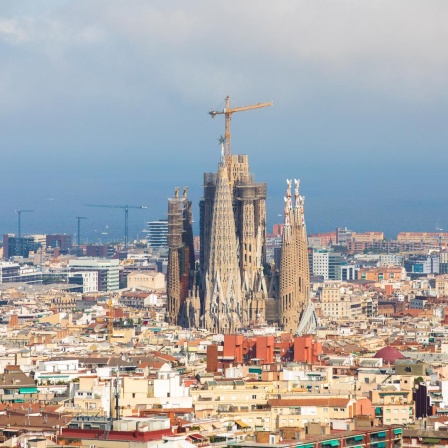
93	434
389	354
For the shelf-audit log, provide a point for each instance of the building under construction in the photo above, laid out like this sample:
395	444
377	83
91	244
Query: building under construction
180	257
228	290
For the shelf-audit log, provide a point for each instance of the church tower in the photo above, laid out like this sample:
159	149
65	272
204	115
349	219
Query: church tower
222	282
294	279
180	257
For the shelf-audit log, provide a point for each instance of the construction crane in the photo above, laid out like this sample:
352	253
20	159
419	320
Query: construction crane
78	235
19	216
227	112
126	216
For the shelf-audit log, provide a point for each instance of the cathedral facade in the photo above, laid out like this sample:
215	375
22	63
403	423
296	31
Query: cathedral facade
227	290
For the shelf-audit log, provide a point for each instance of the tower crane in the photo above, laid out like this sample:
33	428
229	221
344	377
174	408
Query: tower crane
78	235
126	216
227	112
19	216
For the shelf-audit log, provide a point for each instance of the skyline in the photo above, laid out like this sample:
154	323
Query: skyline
106	103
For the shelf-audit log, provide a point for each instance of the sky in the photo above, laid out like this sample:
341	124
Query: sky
106	102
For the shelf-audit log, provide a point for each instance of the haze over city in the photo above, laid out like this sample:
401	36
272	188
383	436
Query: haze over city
107	101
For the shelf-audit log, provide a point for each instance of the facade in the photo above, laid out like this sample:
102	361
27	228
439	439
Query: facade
181	258
326	264
343	235
157	233
230	289
146	280
108	271
18	247
14	273
338	303
347	272
422	265
62	241
100	250
392	406
433	238
443	262
381	274
390	260
87	280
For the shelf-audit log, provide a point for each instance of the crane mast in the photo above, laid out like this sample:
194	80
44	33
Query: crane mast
227	112
19	218
126	217
78	218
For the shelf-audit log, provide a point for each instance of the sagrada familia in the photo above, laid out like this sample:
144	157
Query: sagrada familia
231	287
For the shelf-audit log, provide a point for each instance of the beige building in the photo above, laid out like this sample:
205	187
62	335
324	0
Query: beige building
93	396
339	302
393	406
147	280
442	285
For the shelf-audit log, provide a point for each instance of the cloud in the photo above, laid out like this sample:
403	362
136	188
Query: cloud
121	50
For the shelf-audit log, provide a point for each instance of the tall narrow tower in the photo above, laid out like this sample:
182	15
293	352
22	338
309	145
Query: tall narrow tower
294	269
180	257
222	283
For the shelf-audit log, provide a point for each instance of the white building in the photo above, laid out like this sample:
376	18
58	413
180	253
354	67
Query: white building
12	273
87	280
390	260
108	271
170	391
57	370
157	233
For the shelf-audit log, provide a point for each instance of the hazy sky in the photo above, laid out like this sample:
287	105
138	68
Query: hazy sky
106	101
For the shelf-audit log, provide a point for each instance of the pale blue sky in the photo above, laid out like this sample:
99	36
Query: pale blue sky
106	102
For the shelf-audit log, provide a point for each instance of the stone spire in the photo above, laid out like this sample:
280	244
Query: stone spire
222	301
294	268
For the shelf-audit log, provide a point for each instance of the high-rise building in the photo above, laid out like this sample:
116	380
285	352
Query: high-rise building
326	264
14	246
108	271
157	233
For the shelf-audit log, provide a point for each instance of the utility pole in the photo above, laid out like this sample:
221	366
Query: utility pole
19	216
